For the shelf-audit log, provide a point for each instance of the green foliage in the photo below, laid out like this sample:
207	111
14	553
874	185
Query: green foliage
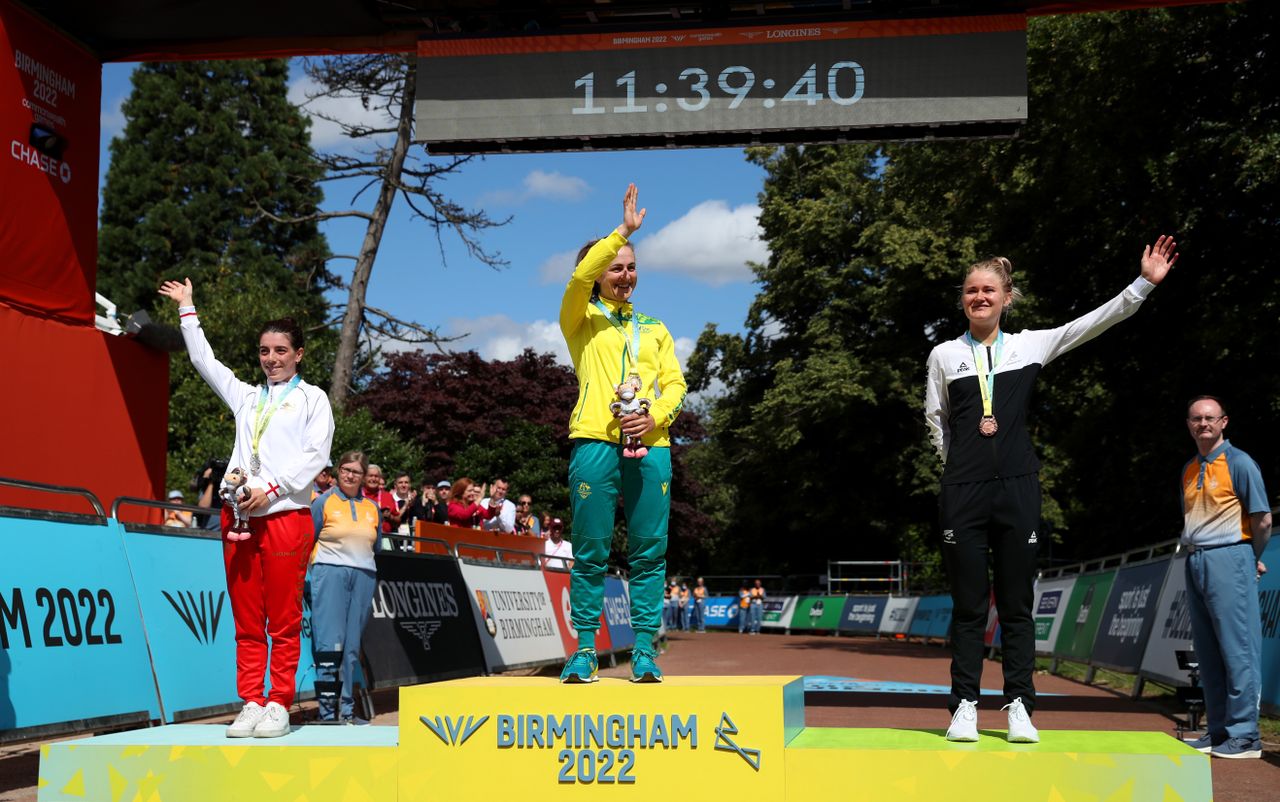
1140	123
531	459
356	430
207	145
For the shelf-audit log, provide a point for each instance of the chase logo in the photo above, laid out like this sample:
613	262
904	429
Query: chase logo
584	490
453	731
200	611
726	744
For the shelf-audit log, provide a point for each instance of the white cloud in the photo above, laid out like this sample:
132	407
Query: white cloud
711	243
498	337
327	135
538	185
112	119
557	267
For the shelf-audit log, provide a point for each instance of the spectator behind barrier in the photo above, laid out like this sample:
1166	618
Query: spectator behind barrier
404	495
504	517
526	522
375	491
560	549
179	518
464	507
206	496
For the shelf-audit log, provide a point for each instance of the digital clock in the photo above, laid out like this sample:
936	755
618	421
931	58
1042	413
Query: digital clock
799	83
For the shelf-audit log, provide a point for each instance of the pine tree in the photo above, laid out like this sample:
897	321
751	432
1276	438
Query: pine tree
211	151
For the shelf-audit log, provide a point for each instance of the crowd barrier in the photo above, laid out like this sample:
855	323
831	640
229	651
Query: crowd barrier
132	624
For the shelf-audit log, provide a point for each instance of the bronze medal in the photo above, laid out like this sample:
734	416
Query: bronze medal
987	427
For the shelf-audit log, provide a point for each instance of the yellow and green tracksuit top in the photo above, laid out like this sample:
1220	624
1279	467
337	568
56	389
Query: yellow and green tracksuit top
599	355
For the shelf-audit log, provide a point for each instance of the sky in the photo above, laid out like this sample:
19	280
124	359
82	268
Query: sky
692	252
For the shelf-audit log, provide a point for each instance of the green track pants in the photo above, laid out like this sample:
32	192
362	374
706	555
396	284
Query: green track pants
597	472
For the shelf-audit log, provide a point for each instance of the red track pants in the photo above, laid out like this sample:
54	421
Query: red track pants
264	580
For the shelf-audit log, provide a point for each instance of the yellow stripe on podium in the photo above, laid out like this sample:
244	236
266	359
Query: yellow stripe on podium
534	739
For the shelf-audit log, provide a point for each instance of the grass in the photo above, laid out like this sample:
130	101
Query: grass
1268	726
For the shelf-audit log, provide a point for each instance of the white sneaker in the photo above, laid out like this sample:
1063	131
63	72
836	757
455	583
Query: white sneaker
274	723
249	717
1021	730
964	724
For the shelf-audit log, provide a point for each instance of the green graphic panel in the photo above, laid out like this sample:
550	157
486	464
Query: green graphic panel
818	612
1083	614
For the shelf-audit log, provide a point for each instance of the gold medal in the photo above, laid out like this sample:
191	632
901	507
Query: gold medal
987	427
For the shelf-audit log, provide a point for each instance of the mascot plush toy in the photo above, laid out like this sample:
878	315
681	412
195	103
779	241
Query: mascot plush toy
629	404
232	492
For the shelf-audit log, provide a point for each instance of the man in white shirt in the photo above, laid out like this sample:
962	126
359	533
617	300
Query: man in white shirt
558	547
505	520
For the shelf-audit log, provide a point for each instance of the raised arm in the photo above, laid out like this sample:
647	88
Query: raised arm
1157	261
217	375
573	306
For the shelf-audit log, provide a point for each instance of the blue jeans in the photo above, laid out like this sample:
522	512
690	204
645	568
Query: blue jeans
686	612
698	618
757	615
744	613
1226	628
341	600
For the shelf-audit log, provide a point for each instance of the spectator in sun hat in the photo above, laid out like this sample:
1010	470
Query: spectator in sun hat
180	518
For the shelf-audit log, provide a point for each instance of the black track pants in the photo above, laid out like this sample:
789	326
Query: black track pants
999	517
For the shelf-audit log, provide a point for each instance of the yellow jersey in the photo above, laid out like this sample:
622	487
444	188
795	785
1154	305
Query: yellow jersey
598	349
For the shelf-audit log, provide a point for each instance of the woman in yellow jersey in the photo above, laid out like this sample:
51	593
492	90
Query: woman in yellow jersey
612	344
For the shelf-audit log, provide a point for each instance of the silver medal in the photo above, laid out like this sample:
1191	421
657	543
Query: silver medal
255	464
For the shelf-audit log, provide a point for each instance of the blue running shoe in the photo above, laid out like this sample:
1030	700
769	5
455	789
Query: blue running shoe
580	667
1238	748
644	665
1202	744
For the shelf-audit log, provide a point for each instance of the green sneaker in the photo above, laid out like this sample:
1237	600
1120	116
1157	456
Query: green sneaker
580	667
644	665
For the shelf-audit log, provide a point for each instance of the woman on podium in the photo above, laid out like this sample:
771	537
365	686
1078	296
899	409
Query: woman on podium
284	430
978	389
630	389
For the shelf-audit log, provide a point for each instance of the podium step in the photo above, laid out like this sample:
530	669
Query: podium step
535	739
880	764
198	763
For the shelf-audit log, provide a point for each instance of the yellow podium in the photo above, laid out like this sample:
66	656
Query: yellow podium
530	739
535	739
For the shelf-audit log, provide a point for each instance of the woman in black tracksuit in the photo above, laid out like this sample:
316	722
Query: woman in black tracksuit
979	386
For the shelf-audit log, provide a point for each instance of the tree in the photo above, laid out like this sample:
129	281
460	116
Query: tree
1141	123
385	84
206	144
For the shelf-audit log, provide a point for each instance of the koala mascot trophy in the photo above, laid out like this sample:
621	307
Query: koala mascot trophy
628	404
232	492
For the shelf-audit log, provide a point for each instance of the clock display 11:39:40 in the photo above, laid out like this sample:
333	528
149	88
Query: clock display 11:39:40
736	82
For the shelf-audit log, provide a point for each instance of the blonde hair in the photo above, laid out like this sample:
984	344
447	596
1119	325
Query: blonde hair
1002	268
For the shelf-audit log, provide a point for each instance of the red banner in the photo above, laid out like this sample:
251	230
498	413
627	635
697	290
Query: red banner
50	96
558	590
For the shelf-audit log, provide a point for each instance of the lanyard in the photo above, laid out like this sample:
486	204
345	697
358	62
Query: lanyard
632	345
260	421
986	380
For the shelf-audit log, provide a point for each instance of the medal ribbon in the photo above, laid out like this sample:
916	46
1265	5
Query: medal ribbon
260	421
633	344
986	380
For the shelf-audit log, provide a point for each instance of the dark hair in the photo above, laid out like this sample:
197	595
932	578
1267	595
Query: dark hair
1212	398
582	254
286	326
